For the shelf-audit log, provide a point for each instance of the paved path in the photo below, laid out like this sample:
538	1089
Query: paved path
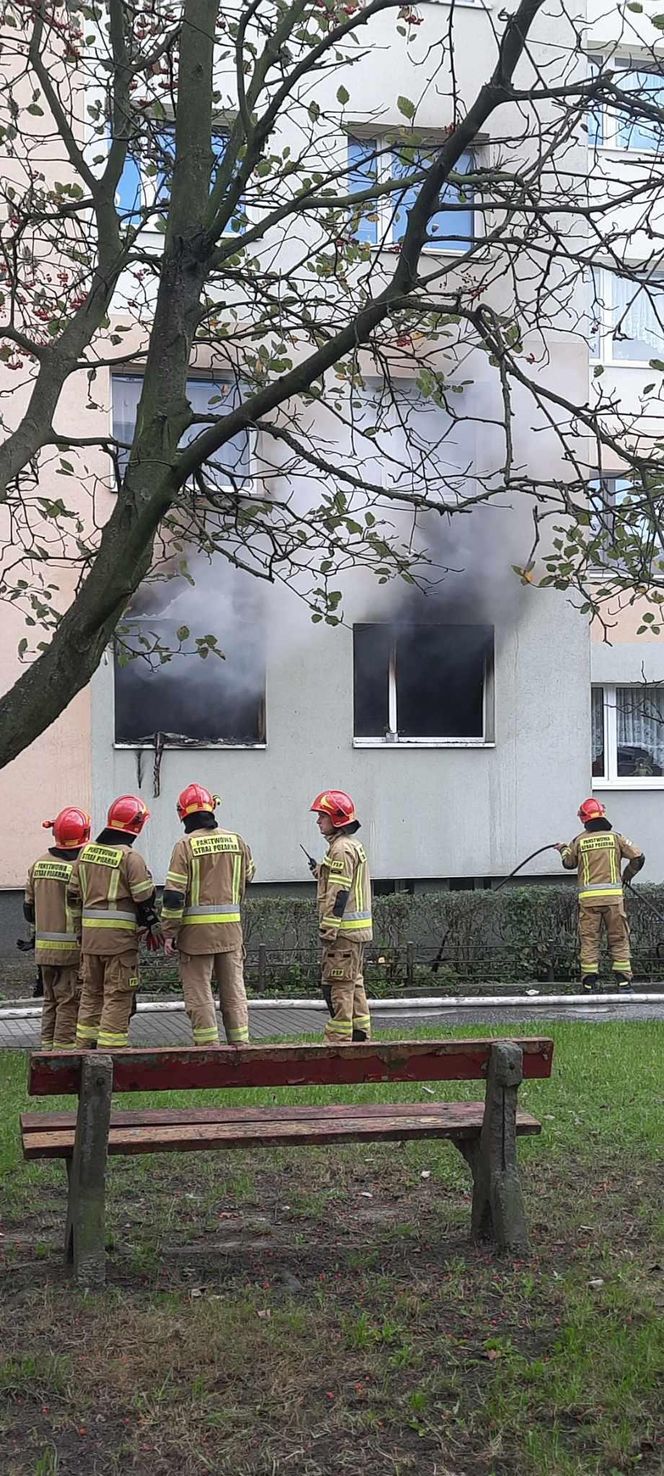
158	1025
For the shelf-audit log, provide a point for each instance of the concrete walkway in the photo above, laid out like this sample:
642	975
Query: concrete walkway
166	1024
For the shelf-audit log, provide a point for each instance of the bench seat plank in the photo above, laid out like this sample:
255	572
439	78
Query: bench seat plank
46	1122
276	1128
192	1068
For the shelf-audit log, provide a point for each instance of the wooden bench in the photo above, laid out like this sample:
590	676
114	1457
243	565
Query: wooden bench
484	1132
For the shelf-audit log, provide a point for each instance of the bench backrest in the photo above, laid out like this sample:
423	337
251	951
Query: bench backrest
58	1073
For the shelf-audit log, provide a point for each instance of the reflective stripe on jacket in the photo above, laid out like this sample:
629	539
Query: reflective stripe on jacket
109	883
597	856
344	892
205	884
57	923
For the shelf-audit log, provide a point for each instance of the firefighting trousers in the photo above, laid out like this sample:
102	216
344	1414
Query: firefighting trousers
62	992
196	971
343	989
591	921
107	997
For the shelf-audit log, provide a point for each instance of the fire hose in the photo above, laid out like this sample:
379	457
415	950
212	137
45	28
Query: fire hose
551	847
439	956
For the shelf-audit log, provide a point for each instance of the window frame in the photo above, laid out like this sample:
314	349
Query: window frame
612	779
149	186
605	127
601	341
251	489
392	739
385	207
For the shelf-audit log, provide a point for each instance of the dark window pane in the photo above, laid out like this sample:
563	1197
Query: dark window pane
189	697
371	661
598	732
440	672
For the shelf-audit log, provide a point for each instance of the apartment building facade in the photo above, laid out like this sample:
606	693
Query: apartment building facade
465	729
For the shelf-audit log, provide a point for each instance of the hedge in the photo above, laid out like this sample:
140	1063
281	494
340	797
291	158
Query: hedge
519	934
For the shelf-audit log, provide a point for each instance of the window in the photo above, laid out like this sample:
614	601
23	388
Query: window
628	735
145	182
186	697
384	221
642	80
607	496
416	683
230	467
626	318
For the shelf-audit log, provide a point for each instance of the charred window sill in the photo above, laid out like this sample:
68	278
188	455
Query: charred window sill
189	743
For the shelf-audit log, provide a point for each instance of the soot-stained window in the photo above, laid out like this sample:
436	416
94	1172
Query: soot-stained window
417	682
166	689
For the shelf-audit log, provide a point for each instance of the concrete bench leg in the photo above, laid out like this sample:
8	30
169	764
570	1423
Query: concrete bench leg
85	1232
498	1212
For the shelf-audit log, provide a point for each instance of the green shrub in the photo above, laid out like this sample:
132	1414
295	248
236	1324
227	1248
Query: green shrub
516	935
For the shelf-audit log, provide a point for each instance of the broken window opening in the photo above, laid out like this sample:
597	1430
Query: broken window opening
167	693
422	683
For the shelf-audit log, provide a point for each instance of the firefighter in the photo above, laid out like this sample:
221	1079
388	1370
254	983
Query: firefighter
596	856
112	884
344	915
206	881
57	927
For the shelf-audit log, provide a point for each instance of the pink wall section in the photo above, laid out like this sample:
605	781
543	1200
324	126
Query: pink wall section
622	624
57	768
54	771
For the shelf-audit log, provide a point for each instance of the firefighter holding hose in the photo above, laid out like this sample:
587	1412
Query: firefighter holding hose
596	855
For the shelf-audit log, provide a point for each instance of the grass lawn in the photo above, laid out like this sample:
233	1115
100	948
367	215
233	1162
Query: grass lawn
322	1313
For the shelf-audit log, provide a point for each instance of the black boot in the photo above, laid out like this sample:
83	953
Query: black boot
624	983
590	983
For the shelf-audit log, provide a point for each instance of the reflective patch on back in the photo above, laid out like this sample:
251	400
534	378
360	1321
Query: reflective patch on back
214	845
53	870
101	856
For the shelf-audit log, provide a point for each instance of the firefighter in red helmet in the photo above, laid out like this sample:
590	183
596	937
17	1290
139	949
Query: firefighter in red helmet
596	856
207	878
112	885
344	918
56	925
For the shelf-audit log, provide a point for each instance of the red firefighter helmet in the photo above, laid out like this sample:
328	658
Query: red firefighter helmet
337	805
194	799
128	813
71	827
591	809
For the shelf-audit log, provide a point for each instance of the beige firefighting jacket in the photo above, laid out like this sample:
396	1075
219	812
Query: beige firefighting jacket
597	856
344	892
57	924
109	882
205	884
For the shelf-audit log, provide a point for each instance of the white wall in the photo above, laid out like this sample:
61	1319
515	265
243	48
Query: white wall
426	812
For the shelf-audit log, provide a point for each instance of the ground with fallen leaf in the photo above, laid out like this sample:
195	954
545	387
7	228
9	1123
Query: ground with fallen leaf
323	1312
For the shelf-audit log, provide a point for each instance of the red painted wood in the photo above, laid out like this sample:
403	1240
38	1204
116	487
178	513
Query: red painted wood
454	1120
190	1068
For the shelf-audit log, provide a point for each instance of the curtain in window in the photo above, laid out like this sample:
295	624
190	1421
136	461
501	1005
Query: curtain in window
640	731
638	317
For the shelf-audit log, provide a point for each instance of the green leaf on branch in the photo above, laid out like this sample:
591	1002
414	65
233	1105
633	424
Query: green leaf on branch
406	107
343	96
